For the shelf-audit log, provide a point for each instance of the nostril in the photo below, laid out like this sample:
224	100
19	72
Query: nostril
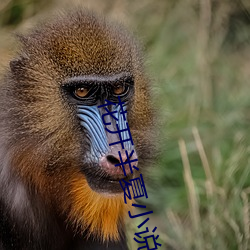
112	159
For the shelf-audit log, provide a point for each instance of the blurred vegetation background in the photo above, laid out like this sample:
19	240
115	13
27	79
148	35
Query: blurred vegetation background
198	55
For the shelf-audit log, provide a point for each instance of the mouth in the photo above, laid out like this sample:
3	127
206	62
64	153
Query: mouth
117	179
102	182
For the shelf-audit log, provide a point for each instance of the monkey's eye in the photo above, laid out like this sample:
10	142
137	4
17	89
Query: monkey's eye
81	92
119	89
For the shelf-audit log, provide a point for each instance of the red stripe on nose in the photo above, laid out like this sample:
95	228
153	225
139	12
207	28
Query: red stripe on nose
108	162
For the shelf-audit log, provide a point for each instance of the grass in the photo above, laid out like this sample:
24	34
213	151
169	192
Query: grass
199	59
201	189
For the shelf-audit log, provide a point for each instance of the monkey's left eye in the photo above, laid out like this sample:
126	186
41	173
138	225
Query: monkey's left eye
81	92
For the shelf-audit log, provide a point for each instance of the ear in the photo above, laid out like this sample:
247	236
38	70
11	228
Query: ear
18	63
15	64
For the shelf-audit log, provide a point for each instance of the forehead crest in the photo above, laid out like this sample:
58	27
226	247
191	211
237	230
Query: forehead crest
87	44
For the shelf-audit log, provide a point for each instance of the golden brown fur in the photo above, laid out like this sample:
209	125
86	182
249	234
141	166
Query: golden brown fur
40	138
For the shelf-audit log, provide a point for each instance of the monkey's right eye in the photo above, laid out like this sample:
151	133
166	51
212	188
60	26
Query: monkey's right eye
118	90
81	92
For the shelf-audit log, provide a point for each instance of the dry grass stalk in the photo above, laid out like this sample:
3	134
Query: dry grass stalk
192	197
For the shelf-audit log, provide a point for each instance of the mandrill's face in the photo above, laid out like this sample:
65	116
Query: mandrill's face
78	110
102	104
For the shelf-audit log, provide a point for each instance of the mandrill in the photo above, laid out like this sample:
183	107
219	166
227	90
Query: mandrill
59	186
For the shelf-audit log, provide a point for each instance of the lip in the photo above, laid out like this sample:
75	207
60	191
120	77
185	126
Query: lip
102	182
117	179
105	186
